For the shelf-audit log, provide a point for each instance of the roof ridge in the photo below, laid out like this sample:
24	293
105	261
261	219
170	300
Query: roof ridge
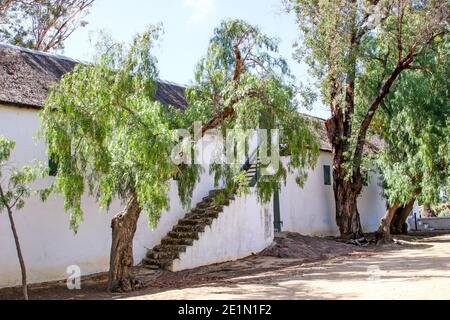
172	83
37	52
62	57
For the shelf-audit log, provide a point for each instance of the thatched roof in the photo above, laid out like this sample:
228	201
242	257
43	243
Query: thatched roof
26	76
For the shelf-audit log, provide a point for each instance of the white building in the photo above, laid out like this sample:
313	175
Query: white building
243	227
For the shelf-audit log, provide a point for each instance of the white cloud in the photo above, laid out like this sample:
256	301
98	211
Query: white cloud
201	9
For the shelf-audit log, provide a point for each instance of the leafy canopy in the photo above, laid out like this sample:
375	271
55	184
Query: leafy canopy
106	131
414	123
244	74
341	43
41	24
15	187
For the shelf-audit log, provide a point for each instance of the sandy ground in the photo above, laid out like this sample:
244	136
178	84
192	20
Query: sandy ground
296	267
420	271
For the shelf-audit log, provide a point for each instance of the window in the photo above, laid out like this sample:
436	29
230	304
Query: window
327	175
53	168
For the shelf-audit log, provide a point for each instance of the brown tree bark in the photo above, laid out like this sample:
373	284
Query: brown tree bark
347	215
19	255
18	248
383	235
398	223
124	227
346	192
348	185
5	5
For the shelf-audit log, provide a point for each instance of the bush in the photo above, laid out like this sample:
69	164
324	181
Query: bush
442	210
444	214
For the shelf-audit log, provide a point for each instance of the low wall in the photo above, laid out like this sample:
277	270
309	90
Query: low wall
245	227
437	223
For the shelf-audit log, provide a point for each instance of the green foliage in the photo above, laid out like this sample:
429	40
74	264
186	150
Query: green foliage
243	71
17	186
106	131
41	24
442	210
343	41
219	199
108	134
414	123
444	214
6	146
241	183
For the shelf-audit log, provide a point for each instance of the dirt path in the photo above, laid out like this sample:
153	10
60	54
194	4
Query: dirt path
419	271
296	267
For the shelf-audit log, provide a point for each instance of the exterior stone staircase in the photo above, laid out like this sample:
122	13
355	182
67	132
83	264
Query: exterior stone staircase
190	228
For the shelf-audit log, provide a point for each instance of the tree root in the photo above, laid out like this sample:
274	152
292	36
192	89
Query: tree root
361	242
128	285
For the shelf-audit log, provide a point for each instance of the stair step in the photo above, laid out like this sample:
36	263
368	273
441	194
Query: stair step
151	264
189	222
209	214
183	235
174	241
155	255
166	251
155	264
214	192
168	248
198	210
195	222
204	206
183	228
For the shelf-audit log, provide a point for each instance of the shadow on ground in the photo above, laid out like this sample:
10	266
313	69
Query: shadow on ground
312	268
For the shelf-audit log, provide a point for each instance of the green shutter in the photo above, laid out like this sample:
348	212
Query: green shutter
53	168
278	224
327	175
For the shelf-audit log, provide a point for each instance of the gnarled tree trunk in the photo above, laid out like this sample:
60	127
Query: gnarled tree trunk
347	215
383	235
399	221
346	192
124	227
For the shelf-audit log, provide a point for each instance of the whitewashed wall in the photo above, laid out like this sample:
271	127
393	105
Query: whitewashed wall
245	227
311	210
244	219
49	247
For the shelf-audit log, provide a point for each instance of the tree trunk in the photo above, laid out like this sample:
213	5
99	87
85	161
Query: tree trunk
345	192
19	254
383	235
124	227
398	223
347	215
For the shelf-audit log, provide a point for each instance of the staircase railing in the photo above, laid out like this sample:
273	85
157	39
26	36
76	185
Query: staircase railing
251	161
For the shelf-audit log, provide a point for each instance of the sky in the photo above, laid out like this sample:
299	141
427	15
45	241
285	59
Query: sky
188	26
